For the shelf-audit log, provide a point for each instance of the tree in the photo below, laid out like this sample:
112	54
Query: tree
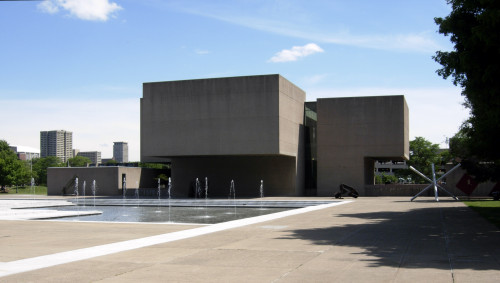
12	170
111	162
385	179
40	166
154	165
163	177
23	174
481	170
79	161
474	65
423	153
7	164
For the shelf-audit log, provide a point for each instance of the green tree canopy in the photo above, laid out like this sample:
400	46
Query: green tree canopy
154	165
111	162
7	164
79	161
474	65
40	166
12	170
23	174
423	153
480	169
385	179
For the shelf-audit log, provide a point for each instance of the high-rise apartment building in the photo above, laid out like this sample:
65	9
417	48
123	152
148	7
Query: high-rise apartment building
120	152
57	143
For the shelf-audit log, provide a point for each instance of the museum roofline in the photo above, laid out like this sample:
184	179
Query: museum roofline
216	78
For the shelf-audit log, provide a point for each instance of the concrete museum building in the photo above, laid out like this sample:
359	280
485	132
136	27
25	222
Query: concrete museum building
254	128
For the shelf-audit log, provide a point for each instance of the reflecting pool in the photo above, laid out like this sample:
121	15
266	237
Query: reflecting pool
165	214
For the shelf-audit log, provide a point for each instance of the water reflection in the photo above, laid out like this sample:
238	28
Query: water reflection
203	215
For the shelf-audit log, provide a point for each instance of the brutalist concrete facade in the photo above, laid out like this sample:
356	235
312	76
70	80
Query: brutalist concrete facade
109	180
245	129
252	128
353	133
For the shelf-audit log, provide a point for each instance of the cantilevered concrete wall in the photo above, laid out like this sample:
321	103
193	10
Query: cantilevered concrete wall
244	128
277	172
354	132
108	179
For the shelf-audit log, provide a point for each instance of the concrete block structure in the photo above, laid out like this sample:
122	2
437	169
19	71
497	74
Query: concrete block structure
256	128
245	129
109	180
355	132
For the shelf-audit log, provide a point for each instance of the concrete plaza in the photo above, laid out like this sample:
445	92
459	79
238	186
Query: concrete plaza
371	239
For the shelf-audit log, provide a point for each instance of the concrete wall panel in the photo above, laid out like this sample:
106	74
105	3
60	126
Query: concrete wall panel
277	172
246	127
353	132
256	120
108	179
223	116
291	117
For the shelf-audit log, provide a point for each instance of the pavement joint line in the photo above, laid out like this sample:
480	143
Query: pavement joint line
118	222
446	242
34	263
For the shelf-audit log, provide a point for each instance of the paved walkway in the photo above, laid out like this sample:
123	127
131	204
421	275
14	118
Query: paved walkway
23	209
368	240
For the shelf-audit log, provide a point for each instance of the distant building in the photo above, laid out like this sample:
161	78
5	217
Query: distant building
57	143
25	152
389	167
106	160
120	152
94	156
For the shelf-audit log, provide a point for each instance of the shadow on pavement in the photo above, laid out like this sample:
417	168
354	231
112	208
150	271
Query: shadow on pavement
439	237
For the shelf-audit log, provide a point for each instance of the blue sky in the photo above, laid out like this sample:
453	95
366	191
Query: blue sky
79	65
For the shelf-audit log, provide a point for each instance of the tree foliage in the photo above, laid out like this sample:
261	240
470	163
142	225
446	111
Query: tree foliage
423	153
79	161
479	168
474	65
385	179
12	170
111	162
154	165
40	166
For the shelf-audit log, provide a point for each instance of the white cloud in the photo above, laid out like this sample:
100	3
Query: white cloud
95	124
92	10
287	55
48	6
401	42
201	52
287	26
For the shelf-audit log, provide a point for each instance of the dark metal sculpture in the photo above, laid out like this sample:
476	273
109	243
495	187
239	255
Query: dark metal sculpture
345	189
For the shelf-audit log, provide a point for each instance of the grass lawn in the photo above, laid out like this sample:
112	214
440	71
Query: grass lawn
489	209
39	190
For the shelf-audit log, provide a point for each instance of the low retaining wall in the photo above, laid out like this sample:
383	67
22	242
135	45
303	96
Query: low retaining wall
396	190
457	182
482	190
